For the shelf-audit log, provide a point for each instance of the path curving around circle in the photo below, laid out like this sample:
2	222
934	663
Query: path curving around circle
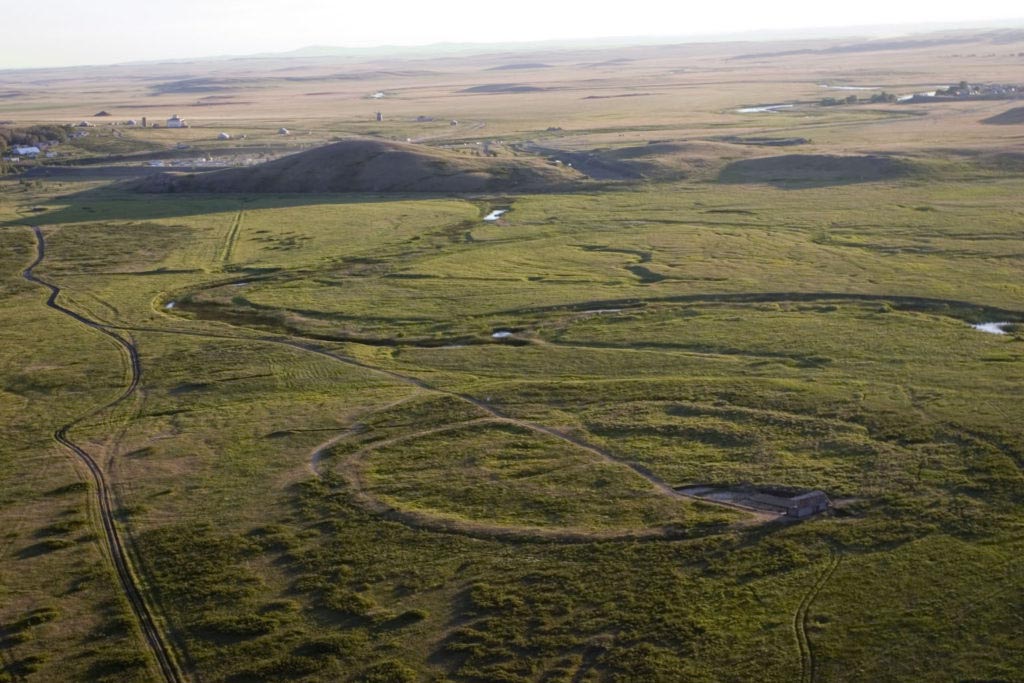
352	472
115	546
494	414
491	413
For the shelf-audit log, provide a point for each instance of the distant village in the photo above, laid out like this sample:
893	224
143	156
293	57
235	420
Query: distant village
32	142
35	142
969	91
26	147
954	93
19	145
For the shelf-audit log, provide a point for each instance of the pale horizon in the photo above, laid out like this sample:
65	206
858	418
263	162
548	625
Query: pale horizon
58	33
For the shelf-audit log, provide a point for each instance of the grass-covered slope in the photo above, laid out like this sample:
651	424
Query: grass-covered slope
1009	117
825	169
363	165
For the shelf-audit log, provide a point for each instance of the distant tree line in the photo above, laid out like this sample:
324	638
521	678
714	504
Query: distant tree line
32	136
962	88
881	97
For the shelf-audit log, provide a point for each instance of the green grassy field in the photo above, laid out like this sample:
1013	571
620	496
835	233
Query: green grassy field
332	470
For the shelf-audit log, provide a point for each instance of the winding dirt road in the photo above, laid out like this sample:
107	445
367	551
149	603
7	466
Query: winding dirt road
119	557
808	665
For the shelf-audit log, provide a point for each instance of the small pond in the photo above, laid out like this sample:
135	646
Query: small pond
993	328
764	109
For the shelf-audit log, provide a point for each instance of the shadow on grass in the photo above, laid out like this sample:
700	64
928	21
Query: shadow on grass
800	171
117	203
44	548
963	310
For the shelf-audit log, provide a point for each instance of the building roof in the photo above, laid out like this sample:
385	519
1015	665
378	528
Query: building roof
770	500
809	497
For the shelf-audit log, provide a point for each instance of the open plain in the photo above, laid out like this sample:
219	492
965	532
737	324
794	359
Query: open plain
272	410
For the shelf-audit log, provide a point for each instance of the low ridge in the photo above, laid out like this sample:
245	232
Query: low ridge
368	165
826	169
1007	118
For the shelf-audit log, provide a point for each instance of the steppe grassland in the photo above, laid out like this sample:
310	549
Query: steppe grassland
265	571
776	361
681	90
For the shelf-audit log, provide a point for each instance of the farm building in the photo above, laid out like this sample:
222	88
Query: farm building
283	131
784	501
176	122
224	136
806	504
26	151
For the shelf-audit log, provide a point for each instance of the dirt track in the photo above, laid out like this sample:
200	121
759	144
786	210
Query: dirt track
807	662
119	556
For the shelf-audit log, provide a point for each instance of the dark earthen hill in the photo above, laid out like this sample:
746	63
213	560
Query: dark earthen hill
816	168
1007	118
367	165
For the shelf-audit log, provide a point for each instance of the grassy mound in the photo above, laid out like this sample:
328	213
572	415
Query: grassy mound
815	168
363	165
659	160
502	88
1008	117
670	160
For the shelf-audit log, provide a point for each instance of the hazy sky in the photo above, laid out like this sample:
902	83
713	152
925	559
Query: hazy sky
60	32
